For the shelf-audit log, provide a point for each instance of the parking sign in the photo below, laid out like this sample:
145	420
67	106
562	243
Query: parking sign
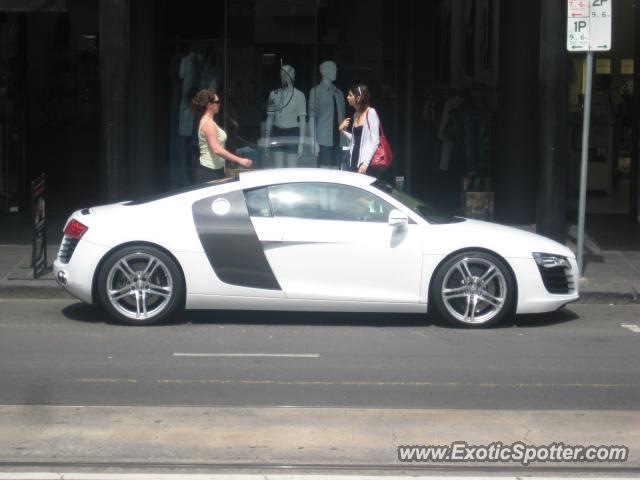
588	25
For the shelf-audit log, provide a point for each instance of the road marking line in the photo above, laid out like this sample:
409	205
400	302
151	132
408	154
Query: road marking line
392	384
101	380
631	326
285	355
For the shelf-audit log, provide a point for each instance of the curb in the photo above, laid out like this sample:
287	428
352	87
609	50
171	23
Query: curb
614	298
49	289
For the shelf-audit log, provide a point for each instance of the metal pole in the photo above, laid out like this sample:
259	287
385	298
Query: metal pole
586	122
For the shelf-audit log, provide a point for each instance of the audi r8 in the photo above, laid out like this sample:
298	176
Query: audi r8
307	240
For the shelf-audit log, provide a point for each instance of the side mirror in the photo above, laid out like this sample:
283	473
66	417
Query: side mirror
397	219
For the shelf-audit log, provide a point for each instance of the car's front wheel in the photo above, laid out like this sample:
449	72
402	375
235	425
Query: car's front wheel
140	285
473	289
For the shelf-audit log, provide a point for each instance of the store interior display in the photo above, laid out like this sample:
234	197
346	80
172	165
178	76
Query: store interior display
286	121
458	145
326	112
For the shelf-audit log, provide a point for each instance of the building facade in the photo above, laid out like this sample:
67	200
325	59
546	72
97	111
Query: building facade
479	98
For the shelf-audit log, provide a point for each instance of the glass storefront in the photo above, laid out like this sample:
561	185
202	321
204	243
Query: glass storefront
283	69
49	103
609	184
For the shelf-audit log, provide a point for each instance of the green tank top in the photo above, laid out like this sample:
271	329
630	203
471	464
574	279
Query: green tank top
207	157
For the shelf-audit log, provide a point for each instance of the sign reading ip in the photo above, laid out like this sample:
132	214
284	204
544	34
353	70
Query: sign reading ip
588	25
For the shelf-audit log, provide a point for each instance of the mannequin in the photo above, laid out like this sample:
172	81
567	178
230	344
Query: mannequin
188	73
285	129
210	72
326	112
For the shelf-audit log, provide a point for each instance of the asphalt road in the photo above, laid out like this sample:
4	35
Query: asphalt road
61	352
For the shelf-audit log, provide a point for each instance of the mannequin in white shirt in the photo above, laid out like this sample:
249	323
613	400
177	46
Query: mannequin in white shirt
326	112
285	129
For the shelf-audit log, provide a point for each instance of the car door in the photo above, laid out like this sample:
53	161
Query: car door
332	241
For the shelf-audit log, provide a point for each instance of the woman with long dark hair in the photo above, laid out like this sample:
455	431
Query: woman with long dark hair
212	138
364	137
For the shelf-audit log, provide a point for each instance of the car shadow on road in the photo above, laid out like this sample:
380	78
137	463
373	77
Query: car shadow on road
84	313
533	320
303	318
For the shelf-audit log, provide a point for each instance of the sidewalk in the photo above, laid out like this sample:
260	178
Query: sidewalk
612	259
325	439
16	274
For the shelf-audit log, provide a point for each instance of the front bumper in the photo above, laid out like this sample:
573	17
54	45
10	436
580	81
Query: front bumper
533	296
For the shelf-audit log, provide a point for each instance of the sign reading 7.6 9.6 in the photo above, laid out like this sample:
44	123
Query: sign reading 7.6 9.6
588	25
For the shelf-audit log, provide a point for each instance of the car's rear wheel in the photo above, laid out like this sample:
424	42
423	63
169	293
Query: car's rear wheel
473	289
140	285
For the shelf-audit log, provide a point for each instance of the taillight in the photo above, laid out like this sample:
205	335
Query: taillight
75	229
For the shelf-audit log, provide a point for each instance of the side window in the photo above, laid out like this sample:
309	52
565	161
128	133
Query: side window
258	202
327	201
361	205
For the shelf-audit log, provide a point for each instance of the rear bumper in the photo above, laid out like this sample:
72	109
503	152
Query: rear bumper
76	277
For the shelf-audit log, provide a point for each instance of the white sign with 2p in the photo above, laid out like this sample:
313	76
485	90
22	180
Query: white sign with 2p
588	25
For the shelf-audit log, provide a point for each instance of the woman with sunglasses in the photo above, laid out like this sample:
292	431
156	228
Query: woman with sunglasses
211	139
364	137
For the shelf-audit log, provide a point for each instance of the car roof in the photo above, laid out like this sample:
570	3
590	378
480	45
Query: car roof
285	175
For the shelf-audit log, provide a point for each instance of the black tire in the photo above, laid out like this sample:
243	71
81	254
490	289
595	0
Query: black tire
140	285
473	289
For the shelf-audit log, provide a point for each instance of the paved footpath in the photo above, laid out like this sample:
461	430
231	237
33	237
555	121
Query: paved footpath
310	438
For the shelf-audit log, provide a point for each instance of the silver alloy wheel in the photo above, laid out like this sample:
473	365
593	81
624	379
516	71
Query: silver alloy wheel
139	286
474	290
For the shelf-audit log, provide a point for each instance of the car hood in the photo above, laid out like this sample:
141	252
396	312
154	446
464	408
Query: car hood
505	240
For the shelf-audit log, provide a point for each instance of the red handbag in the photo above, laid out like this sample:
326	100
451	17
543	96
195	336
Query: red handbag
383	156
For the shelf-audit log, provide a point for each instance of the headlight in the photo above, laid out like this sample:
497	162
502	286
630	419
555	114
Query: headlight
548	260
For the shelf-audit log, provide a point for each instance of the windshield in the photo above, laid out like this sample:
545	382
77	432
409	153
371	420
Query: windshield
429	213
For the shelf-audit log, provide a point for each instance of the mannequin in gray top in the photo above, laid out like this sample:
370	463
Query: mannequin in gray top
326	112
285	129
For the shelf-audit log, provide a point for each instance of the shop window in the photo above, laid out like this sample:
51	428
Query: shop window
282	69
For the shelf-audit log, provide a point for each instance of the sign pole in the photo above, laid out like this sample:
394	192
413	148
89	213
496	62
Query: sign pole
588	30
586	122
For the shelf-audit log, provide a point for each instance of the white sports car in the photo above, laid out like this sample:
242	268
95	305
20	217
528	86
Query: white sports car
306	239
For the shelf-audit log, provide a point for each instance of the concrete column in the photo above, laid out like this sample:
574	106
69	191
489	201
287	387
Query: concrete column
144	142
634	181
552	177
114	74
517	116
